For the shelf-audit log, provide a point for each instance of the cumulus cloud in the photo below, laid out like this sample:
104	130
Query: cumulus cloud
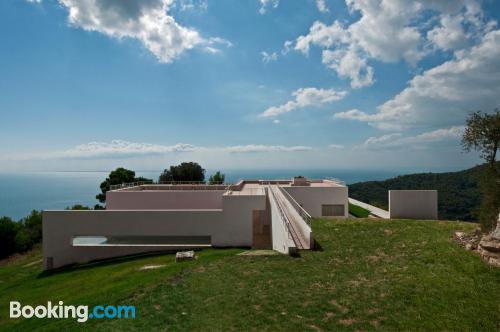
443	95
266	4
397	140
268	57
148	21
321	4
305	97
126	149
391	31
185	5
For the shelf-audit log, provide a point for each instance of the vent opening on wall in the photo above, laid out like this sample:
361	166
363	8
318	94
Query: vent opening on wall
140	241
332	210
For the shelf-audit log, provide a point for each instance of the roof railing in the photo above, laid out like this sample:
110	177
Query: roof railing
173	183
300	210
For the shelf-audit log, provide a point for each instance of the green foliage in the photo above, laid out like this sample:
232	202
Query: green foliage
388	275
490	204
8	232
188	171
20	236
483	134
118	176
217	178
78	207
358	211
459	194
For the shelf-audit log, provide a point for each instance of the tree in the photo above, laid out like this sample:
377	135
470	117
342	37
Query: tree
8	232
217	178
483	134
189	171
118	176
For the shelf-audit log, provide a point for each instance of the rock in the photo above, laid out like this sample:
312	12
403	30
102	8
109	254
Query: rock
468	246
184	255
490	244
496	233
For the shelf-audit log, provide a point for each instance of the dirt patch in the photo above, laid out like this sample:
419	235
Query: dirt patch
346	321
258	253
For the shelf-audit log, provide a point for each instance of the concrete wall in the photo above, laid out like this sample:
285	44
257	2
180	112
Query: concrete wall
164	199
230	226
311	198
413	204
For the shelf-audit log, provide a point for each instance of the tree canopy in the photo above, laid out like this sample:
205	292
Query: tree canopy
118	176
187	171
217	178
483	134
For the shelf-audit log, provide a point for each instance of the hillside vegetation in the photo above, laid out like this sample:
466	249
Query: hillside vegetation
369	275
459	195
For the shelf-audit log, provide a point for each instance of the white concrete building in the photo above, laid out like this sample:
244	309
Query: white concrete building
153	217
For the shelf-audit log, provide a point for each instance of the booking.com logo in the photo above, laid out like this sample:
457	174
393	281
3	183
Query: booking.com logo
81	312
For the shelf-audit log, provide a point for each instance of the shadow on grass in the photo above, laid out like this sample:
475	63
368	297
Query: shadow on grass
104	262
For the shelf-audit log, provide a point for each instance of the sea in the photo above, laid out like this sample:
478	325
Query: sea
22	192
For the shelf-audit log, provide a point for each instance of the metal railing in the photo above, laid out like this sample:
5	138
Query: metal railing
129	185
300	210
201	184
286	222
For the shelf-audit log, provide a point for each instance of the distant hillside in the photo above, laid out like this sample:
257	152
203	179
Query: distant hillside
458	192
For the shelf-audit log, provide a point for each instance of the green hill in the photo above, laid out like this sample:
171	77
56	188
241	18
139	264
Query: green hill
459	196
386	275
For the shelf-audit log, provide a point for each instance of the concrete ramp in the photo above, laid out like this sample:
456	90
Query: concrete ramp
294	219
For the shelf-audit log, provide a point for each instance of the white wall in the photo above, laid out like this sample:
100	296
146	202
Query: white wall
230	226
164	199
311	198
413	204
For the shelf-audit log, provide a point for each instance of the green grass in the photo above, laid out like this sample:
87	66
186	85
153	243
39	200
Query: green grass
369	275
358	211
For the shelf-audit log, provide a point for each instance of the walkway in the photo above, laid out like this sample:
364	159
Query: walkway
378	212
299	229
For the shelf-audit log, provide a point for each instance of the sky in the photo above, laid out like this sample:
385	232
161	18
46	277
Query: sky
248	84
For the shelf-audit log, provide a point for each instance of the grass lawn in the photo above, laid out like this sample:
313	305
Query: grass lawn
386	275
358	211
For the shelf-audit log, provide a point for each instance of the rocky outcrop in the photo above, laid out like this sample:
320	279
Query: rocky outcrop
489	247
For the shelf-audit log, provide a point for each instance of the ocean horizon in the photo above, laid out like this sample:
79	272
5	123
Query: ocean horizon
23	192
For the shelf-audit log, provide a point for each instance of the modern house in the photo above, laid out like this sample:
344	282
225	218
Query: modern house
143	218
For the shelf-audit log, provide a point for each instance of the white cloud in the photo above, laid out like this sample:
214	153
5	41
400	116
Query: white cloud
348	64
443	95
148	21
185	5
265	148
305	97
391	31
276	121
268	57
266	4
450	34
397	140
336	146
126	149
321	4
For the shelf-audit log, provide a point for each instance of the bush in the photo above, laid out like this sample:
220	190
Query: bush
358	211
8	232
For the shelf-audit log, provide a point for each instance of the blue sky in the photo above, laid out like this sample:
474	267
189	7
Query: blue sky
95	84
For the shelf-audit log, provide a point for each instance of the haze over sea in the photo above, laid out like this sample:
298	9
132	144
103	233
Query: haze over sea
25	191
